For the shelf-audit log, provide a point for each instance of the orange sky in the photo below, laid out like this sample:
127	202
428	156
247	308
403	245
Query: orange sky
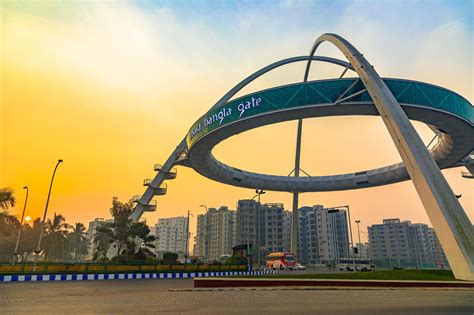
112	90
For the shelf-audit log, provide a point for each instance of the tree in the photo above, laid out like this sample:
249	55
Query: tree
56	231
140	237
7	198
8	223
170	258
29	237
132	239
103	237
9	226
77	241
121	226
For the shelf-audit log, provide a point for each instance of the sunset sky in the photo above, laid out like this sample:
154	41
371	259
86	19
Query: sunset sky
112	87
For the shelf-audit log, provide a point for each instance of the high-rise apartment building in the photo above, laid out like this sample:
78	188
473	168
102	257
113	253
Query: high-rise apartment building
171	234
322	235
402	244
216	233
266	227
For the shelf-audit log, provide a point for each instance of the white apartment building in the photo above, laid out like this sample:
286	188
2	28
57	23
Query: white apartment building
216	233
171	234
402	244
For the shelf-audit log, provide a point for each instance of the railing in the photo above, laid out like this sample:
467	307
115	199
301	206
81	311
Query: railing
150	207
158	190
172	173
136	198
56	268
169	175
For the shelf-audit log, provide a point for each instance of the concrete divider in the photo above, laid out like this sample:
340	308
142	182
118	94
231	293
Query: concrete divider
261	282
124	276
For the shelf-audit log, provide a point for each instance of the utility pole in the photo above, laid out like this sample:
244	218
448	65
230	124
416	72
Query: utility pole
186	253
207	231
358	233
258	214
38	246
21	226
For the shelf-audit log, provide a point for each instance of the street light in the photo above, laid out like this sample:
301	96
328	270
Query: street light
335	209
358	231
21	225
186	254
258	193
207	230
38	247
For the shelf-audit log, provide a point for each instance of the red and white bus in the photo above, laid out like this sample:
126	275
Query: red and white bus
281	261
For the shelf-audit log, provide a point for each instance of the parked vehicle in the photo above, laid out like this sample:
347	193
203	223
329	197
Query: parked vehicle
280	261
299	267
223	258
359	264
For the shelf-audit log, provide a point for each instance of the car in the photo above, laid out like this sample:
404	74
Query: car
299	267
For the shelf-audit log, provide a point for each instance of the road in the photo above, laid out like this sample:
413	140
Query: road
132	296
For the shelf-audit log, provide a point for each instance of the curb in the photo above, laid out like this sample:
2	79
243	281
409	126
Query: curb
303	288
125	276
325	283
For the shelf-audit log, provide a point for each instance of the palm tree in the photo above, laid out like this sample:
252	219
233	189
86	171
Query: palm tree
56	232
77	240
8	223
102	240
7	198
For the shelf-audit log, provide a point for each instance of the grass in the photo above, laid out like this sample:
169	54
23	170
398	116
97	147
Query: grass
429	275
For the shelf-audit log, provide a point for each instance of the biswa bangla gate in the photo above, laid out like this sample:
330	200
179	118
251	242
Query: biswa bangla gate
396	101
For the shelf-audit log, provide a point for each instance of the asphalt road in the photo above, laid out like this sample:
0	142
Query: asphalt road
155	296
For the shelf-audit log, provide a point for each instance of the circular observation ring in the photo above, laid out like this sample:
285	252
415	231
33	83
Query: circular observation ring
442	109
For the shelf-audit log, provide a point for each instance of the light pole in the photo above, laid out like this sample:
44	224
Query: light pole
38	247
186	254
350	230
21	226
358	233
207	231
258	193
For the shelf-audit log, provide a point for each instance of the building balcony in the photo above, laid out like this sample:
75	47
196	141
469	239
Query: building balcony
158	190
168	175
151	207
136	198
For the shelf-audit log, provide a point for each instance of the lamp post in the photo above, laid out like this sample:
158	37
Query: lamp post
21	226
207	230
38	247
358	233
186	253
335	209
258	194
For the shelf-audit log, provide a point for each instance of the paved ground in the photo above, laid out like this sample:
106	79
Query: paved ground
154	296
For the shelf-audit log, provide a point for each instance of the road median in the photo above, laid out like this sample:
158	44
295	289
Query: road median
265	282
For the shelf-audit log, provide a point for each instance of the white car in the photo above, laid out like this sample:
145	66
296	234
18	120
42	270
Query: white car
299	267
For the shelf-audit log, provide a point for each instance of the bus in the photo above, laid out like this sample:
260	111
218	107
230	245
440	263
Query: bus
280	261
360	265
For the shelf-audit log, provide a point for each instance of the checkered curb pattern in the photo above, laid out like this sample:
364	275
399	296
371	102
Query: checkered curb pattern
123	276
